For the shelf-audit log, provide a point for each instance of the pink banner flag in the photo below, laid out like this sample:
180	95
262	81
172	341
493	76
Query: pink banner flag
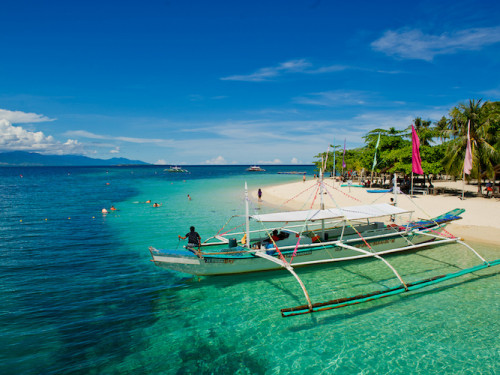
416	162
468	153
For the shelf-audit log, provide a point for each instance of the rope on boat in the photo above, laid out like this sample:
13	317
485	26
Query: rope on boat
220	230
315	196
430	217
295	251
347	195
303	191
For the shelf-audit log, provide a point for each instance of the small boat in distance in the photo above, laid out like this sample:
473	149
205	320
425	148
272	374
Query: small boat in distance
176	169
255	168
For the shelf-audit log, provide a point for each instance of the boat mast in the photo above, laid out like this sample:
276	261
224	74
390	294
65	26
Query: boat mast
247	217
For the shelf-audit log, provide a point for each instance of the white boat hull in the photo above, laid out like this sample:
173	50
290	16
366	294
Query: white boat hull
245	261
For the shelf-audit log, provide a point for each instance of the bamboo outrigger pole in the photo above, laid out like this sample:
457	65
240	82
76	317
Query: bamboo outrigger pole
342	302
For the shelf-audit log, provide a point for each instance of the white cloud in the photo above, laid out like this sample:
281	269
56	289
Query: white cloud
15	138
294	66
18	117
86	134
333	98
161	162
275	161
414	44
116	150
264	74
219	160
295	161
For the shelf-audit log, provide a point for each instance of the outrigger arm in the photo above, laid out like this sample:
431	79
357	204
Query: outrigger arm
291	270
376	256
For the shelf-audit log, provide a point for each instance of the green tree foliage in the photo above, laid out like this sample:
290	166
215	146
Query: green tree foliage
442	144
484	126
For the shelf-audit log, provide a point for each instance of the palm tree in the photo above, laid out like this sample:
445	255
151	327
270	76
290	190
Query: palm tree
441	129
484	154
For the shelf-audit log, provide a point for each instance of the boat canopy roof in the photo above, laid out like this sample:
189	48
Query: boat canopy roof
347	213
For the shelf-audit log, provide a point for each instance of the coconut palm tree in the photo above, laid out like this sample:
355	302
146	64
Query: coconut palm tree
484	154
441	129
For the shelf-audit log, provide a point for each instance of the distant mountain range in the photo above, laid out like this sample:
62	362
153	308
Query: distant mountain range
33	159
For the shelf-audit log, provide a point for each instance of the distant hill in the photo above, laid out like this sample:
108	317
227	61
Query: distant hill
33	159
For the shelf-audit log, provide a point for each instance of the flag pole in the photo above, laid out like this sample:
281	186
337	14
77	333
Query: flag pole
334	171
411	194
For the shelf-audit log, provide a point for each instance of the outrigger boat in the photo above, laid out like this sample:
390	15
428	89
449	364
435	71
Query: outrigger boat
255	168
176	169
317	236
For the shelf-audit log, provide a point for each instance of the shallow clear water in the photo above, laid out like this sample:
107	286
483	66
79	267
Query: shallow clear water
79	294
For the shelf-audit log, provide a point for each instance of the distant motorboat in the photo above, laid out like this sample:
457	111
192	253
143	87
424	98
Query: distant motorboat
255	168
176	169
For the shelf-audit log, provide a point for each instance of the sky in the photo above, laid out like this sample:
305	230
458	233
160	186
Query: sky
235	82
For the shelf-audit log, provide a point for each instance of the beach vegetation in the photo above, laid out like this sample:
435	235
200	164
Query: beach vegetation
442	145
483	118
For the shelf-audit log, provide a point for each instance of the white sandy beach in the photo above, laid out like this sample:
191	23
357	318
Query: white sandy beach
480	223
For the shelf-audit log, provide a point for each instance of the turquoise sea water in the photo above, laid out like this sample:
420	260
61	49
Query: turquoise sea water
79	295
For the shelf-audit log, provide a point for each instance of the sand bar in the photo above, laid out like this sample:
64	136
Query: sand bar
480	223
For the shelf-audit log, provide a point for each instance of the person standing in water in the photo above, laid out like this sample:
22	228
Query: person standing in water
259	194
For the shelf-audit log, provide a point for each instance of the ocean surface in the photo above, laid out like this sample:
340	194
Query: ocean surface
79	294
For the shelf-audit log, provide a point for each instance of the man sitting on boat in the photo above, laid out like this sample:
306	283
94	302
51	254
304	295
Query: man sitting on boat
194	241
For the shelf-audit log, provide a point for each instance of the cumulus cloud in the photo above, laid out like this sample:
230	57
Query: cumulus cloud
15	138
216	161
275	161
414	44
116	150
18	117
161	162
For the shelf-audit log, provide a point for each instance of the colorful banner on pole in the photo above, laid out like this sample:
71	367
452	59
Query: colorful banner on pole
416	162
468	154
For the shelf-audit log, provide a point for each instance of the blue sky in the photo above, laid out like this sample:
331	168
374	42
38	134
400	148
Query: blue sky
235	82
